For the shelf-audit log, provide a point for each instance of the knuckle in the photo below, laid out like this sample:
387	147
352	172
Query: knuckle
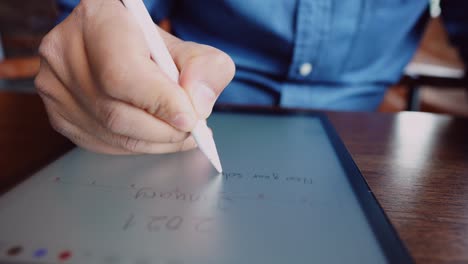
131	144
49	44
177	137
158	107
163	109
57	123
172	107
64	126
61	126
113	119
42	88
40	85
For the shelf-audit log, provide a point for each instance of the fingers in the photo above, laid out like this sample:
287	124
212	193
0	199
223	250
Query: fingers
103	91
123	68
205	71
126	130
124	119
108	142
125	147
79	136
62	52
148	88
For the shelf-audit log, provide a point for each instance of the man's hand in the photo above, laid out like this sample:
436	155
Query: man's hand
102	90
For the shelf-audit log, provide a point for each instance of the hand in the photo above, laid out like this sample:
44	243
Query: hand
102	90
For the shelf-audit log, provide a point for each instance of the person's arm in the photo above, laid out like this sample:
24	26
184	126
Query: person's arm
455	18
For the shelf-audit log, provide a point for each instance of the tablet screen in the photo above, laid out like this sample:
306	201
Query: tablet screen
284	197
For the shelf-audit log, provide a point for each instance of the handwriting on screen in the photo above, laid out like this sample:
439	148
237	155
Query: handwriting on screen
161	223
155	193
190	197
219	200
211	200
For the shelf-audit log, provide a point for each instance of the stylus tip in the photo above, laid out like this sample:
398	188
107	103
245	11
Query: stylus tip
205	141
217	163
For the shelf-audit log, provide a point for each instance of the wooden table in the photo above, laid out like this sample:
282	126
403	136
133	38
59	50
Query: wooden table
416	164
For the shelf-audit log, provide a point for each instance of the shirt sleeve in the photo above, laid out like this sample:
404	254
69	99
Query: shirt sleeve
159	9
455	20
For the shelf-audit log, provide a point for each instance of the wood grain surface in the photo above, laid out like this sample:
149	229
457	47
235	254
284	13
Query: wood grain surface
417	166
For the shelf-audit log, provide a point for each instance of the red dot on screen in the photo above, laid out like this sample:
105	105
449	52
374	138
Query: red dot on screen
64	255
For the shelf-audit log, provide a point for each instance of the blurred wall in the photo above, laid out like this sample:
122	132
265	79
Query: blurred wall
23	23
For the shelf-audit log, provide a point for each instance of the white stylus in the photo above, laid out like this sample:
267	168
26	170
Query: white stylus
161	56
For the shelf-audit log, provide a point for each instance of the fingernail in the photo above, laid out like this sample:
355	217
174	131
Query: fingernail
182	121
203	99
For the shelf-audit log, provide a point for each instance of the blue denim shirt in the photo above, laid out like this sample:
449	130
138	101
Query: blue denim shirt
327	54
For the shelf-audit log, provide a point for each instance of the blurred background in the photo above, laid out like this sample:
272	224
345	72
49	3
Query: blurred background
434	81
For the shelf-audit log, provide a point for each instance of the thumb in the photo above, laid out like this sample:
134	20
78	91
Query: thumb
204	72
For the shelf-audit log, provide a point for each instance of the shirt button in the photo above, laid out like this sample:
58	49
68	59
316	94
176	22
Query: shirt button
305	69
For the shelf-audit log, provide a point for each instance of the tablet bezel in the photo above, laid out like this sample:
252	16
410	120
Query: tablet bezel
390	243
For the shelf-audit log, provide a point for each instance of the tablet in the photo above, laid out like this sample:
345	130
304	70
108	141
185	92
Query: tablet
289	193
